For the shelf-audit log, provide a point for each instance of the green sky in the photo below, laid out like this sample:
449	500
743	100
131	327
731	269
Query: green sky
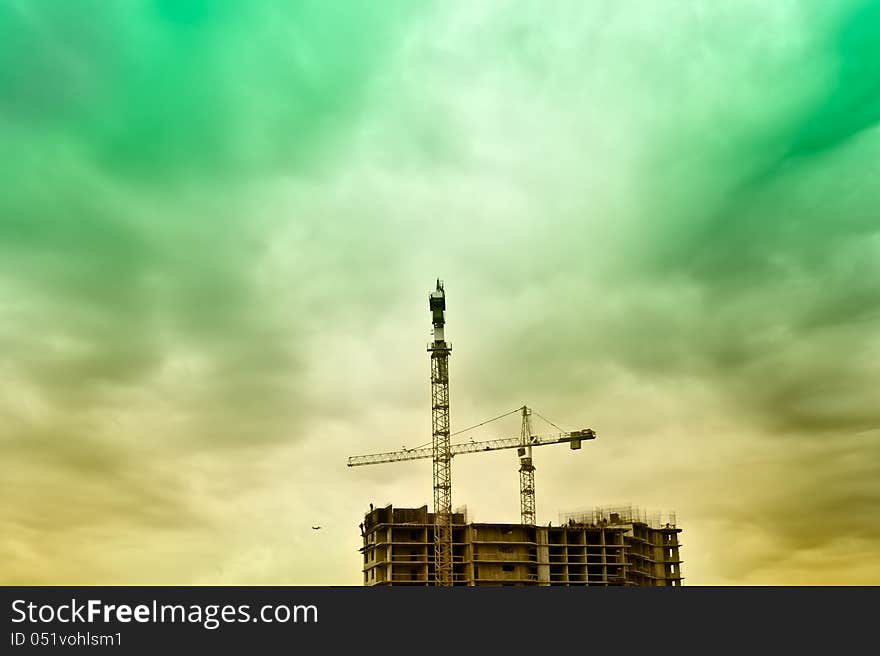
219	222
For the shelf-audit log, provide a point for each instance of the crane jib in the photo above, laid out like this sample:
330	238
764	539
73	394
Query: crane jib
574	440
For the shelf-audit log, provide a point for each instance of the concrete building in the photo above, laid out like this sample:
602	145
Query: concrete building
631	550
652	545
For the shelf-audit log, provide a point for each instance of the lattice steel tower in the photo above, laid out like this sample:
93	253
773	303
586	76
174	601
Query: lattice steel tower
526	470
440	448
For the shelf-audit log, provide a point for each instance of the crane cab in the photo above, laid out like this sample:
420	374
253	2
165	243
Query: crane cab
437	304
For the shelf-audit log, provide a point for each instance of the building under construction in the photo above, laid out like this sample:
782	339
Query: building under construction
410	546
599	548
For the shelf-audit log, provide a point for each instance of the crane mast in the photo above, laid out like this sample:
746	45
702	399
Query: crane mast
440	447
526	471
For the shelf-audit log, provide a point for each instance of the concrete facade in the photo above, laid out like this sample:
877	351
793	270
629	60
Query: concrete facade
398	550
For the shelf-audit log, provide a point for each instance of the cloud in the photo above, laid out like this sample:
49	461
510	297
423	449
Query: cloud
221	220
136	330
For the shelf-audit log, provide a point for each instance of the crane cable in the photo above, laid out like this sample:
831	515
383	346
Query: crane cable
488	421
482	423
549	422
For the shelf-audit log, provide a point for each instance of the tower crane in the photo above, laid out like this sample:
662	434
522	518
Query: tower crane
523	444
441	450
440	453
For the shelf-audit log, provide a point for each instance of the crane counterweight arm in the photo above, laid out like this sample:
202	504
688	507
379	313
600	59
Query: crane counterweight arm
573	439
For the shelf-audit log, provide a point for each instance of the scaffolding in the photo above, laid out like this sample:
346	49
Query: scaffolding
619	515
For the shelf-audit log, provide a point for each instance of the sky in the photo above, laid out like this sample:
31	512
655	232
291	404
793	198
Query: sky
220	221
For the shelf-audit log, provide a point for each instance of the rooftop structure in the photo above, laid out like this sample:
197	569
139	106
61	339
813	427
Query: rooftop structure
651	539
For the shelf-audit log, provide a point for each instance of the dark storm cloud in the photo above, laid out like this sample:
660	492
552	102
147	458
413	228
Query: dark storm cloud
137	334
